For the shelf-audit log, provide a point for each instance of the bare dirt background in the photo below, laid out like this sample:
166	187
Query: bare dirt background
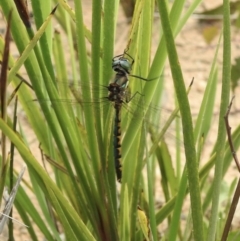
195	56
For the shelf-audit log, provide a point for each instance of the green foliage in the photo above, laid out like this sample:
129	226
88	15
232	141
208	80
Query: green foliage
82	196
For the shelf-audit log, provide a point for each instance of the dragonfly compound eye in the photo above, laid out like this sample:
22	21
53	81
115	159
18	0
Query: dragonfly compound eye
121	65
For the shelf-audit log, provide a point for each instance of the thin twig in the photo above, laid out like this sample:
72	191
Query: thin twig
228	128
237	191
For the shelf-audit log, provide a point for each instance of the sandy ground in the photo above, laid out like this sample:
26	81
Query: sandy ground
195	57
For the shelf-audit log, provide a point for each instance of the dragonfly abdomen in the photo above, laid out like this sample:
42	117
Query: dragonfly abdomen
117	141
117	95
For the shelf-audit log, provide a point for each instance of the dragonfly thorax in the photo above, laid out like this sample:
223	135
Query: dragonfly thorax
117	94
121	80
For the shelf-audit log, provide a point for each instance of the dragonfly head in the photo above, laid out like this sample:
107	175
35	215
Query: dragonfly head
121	65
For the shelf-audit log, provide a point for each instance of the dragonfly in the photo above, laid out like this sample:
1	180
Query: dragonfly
118	94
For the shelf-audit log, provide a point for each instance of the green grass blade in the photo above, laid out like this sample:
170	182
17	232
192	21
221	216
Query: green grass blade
40	13
175	221
190	151
25	203
206	110
27	221
84	74
27	50
226	77
125	224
